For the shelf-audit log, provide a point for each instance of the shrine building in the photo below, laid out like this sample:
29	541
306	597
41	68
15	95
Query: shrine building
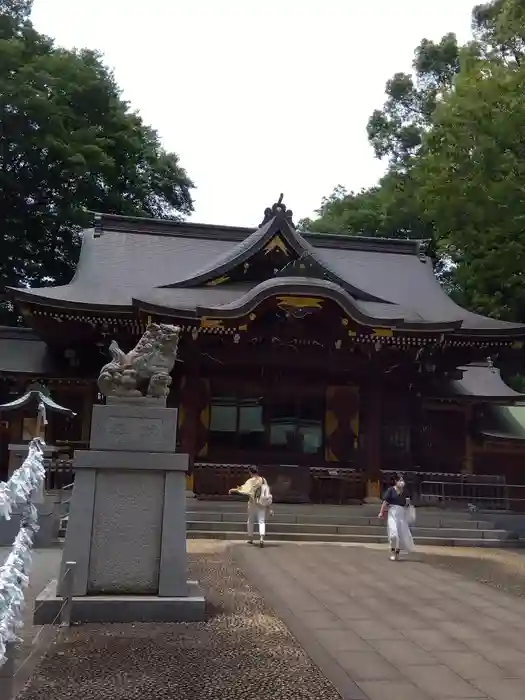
330	361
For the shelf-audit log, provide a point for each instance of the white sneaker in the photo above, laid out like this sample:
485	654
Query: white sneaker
393	557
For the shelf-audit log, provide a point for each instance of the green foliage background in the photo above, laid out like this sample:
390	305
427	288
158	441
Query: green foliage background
452	133
69	144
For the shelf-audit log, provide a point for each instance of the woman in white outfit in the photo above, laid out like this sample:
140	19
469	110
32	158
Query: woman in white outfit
396	502
259	500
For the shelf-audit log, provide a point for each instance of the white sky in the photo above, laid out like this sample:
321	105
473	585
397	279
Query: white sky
257	97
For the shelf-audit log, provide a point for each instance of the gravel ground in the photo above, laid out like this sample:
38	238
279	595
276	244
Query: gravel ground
242	652
502	569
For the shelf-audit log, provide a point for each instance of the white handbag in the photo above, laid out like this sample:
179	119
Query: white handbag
411	515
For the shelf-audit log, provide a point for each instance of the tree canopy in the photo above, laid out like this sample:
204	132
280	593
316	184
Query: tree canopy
452	135
472	184
69	144
396	132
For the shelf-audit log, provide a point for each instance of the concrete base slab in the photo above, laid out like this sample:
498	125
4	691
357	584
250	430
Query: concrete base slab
114	609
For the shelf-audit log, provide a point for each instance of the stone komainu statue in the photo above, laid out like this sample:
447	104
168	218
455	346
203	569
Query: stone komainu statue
145	370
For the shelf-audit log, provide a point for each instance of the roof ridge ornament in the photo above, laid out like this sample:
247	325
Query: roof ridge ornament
278	211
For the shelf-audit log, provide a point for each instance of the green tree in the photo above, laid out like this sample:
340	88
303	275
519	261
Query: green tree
69	144
498	29
396	131
472	184
452	135
357	213
390	210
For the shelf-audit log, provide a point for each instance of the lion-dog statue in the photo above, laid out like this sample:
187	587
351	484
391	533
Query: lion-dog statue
145	370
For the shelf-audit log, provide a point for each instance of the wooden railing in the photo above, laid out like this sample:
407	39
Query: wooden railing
488	492
478	495
341	484
59	474
289	483
347	485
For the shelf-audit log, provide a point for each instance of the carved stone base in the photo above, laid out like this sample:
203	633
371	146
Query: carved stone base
136	401
122	609
127	522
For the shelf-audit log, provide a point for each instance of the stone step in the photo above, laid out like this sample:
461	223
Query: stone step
293	525
363	539
326	510
343	518
284	521
375	530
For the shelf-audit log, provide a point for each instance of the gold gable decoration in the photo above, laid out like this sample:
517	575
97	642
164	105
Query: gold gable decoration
276	243
211	322
218	280
297	302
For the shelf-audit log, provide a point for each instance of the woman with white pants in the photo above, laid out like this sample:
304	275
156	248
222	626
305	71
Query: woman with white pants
397	503
259	500
256	513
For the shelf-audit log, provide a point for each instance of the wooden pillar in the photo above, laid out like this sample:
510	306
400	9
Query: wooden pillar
341	423
188	416
194	418
7	424
468	462
372	456
88	399
16	423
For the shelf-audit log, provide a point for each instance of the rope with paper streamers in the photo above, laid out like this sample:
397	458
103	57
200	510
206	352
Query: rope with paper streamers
14	573
24	481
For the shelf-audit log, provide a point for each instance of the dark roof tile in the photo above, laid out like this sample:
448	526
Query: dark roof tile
484	381
125	259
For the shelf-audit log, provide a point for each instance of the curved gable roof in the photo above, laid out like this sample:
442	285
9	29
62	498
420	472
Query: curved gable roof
306	286
277	222
125	259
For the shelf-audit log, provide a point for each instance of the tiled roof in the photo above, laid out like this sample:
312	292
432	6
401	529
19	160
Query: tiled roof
166	264
484	381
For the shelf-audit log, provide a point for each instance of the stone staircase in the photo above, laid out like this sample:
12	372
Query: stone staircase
359	523
323	523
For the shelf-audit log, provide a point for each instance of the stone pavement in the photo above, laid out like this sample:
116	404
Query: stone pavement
393	631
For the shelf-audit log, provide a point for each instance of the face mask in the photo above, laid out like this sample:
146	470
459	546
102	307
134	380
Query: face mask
400	484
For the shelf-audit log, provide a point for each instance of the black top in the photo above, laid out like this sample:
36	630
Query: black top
393	498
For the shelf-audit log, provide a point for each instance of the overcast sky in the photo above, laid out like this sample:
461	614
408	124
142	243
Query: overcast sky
257	97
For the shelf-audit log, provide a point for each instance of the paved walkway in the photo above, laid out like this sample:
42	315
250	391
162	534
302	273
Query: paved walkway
393	631
34	639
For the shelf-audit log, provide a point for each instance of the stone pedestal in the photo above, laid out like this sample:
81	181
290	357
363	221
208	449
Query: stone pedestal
127	521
